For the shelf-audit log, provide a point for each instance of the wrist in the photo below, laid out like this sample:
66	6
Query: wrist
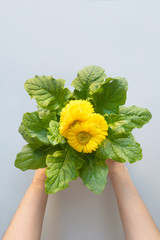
38	187
39	177
115	167
119	169
38	183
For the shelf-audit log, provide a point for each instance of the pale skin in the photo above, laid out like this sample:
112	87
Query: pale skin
136	220
28	219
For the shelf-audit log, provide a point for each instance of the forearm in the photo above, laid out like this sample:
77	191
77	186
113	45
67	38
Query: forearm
136	219
28	219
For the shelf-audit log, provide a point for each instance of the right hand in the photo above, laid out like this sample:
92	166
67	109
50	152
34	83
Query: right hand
114	166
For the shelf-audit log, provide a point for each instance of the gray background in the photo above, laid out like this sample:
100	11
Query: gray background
59	38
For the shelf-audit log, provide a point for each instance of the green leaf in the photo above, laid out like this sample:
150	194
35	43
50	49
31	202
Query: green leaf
95	86
87	78
46	114
33	129
54	135
33	157
128	118
94	173
48	92
120	147
138	116
117	122
62	168
110	95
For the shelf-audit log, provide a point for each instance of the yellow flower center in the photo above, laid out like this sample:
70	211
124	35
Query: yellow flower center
83	137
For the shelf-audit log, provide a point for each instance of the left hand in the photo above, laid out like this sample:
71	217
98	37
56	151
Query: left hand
39	176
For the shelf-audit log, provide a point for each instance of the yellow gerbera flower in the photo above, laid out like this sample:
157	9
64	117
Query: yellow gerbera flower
75	111
86	136
99	122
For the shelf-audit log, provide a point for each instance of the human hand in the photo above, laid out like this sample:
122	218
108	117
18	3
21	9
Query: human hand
39	176
115	166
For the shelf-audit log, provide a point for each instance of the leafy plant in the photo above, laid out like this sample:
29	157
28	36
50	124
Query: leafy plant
49	147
